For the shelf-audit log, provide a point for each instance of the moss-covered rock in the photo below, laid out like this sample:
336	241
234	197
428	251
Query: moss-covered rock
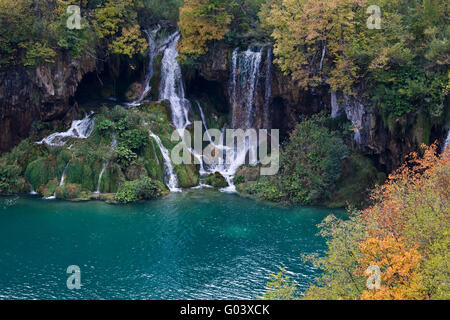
247	173
42	166
188	175
216	180
69	191
133	92
48	189
358	177
135	172
39	172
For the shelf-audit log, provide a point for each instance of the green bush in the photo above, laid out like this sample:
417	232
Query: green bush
125	156
142	189
134	139
267	189
312	161
238	179
10	180
68	191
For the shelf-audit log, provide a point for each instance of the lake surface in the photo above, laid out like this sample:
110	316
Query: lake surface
191	245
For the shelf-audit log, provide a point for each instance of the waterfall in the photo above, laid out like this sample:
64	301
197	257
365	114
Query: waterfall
172	182
63	177
227	170
447	143
104	166
171	87
152	51
80	129
244	80
62	182
268	88
32	192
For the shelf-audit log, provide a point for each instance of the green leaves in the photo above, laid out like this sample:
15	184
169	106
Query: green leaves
142	189
312	161
280	287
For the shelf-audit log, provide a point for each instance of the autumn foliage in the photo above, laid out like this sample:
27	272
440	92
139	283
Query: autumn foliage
202	21
405	233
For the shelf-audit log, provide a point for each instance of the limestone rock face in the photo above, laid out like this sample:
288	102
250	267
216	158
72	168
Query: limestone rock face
42	93
386	143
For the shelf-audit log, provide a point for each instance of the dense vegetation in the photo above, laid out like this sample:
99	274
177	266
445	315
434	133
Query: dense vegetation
35	32
400	69
405	233
313	168
134	167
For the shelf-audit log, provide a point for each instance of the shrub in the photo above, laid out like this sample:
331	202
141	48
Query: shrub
312	161
68	191
141	189
10	181
134	139
125	156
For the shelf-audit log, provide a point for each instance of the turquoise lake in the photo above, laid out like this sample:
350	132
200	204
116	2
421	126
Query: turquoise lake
190	245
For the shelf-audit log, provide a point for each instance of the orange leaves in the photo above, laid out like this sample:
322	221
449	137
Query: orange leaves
404	192
398	267
409	216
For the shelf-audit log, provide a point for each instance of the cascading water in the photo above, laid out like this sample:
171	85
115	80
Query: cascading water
170	176
245	76
104	166
63	177
171	87
447	143
268	88
80	129
32	192
226	168
152	51
62	182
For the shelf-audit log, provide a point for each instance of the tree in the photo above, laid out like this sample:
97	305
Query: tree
311	161
405	233
202	21
280	287
399	269
302	28
116	24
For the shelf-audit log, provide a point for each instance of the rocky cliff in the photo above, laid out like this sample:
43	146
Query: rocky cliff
42	93
387	141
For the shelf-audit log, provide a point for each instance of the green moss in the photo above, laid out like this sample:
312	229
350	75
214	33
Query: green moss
154	82
188	176
83	173
112	179
358	177
39	172
216	180
68	191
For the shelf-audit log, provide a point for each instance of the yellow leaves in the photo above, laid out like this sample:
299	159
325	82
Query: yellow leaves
301	29
130	42
201	22
398	265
